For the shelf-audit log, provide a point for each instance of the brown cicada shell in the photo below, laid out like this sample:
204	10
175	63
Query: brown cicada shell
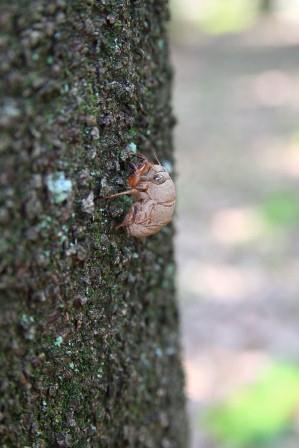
154	192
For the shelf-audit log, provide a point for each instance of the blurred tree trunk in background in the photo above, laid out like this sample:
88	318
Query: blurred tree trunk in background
266	6
89	323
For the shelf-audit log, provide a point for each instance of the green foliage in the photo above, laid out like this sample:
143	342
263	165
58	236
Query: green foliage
222	16
260	412
217	16
280	210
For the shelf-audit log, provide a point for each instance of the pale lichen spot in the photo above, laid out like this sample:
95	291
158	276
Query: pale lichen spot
59	187
132	147
58	341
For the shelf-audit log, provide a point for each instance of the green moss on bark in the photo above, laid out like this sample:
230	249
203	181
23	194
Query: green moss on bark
89	324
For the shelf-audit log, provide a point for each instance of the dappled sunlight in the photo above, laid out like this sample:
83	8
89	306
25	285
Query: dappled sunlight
226	16
215	373
281	159
216	16
271	218
221	281
199	380
291	12
188	11
236	225
260	412
243	397
272	88
237	102
277	31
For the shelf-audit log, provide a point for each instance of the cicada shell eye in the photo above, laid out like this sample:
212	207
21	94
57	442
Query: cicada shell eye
159	178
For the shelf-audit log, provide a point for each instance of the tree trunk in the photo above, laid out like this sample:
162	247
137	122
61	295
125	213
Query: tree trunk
89	323
266	6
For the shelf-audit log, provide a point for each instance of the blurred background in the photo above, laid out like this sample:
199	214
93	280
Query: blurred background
236	97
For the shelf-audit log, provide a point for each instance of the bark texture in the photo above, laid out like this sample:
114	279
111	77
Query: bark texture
89	323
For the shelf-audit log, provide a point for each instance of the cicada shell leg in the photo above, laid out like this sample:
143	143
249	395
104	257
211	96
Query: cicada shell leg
122	193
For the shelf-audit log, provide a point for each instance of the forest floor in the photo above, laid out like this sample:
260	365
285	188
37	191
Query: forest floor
237	147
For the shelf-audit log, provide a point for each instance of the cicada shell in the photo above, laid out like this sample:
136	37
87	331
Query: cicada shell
154	196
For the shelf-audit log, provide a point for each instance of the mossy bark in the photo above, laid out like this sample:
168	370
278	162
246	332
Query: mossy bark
89	323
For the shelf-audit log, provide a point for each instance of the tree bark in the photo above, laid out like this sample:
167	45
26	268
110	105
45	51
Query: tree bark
89	322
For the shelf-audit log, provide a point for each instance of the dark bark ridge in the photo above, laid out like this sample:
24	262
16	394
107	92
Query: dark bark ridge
89	324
